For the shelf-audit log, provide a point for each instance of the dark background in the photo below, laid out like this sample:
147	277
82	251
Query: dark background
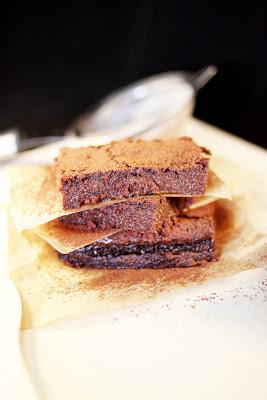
57	61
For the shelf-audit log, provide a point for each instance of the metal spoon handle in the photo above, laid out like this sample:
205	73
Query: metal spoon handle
203	76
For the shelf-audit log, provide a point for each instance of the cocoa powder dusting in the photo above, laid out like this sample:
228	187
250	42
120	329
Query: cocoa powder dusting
161	280
254	291
120	283
158	280
59	290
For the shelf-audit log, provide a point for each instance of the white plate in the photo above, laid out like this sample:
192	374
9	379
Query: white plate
208	342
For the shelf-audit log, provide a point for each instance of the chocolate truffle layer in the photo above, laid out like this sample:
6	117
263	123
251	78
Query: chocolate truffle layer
182	242
137	214
174	255
130	168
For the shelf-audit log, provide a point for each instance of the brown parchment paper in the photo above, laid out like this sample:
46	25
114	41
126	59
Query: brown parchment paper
21	252
51	290
35	199
66	240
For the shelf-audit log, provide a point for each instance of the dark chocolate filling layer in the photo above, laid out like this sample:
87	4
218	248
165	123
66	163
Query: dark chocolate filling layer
116	251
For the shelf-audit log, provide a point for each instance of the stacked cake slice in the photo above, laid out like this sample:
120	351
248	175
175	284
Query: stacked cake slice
152	186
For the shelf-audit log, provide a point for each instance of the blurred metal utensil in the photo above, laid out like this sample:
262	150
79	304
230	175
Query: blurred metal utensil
133	110
11	143
8	143
143	105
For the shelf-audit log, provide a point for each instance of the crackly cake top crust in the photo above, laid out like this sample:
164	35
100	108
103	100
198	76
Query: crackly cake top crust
177	153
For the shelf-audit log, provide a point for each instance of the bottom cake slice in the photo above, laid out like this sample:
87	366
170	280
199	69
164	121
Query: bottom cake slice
182	242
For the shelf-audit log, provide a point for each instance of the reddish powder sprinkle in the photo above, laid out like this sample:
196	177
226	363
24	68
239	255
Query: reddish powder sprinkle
259	290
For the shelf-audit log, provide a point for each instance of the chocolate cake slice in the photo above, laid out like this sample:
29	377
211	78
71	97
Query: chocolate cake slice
131	168
143	214
137	214
182	242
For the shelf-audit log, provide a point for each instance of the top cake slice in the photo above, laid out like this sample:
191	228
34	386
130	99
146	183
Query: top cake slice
131	168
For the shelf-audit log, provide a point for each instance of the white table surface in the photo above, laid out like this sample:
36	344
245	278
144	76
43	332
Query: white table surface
207	342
